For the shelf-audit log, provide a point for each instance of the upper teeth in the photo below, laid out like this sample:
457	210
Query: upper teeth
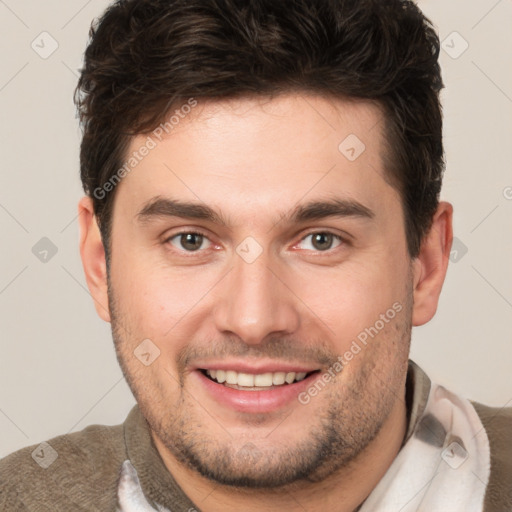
261	380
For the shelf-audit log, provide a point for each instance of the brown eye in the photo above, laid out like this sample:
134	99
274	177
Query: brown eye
322	240
188	241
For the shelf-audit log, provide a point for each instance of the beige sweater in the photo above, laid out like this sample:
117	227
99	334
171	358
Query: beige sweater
84	476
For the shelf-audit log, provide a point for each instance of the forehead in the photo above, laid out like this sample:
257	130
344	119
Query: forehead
261	155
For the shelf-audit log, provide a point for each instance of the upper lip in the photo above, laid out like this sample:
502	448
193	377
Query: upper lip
255	368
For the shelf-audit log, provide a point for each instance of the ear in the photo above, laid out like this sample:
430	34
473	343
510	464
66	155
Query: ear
431	264
92	253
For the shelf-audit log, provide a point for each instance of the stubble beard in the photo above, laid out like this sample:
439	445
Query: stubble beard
351	419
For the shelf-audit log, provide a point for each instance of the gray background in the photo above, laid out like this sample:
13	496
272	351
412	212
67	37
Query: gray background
58	371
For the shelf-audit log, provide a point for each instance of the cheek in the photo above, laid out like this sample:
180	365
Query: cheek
353	297
157	301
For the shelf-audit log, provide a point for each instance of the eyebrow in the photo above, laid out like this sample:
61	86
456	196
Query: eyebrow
161	207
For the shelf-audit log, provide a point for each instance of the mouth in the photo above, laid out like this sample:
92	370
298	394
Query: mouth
255	382
255	390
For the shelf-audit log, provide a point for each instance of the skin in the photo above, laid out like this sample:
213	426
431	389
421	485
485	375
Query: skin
254	161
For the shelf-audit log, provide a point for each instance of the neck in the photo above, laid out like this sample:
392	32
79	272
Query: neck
343	491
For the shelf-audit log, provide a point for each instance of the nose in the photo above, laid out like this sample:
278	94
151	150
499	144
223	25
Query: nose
254	301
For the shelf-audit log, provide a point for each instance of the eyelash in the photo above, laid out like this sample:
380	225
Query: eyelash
342	240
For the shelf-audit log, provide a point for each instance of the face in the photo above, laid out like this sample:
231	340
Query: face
263	255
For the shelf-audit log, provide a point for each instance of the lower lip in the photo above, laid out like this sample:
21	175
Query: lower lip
266	401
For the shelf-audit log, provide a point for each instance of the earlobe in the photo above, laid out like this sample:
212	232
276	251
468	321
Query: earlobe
429	268
92	253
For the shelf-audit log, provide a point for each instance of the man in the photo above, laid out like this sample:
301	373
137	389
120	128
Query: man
262	229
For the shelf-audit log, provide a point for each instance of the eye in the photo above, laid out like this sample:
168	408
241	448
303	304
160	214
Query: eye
188	240
322	240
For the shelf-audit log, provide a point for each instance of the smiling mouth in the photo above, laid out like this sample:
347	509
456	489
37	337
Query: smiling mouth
258	382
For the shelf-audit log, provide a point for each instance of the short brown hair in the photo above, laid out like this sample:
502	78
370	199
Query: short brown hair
145	57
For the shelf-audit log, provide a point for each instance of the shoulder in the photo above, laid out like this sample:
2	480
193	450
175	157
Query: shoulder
67	472
497	423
